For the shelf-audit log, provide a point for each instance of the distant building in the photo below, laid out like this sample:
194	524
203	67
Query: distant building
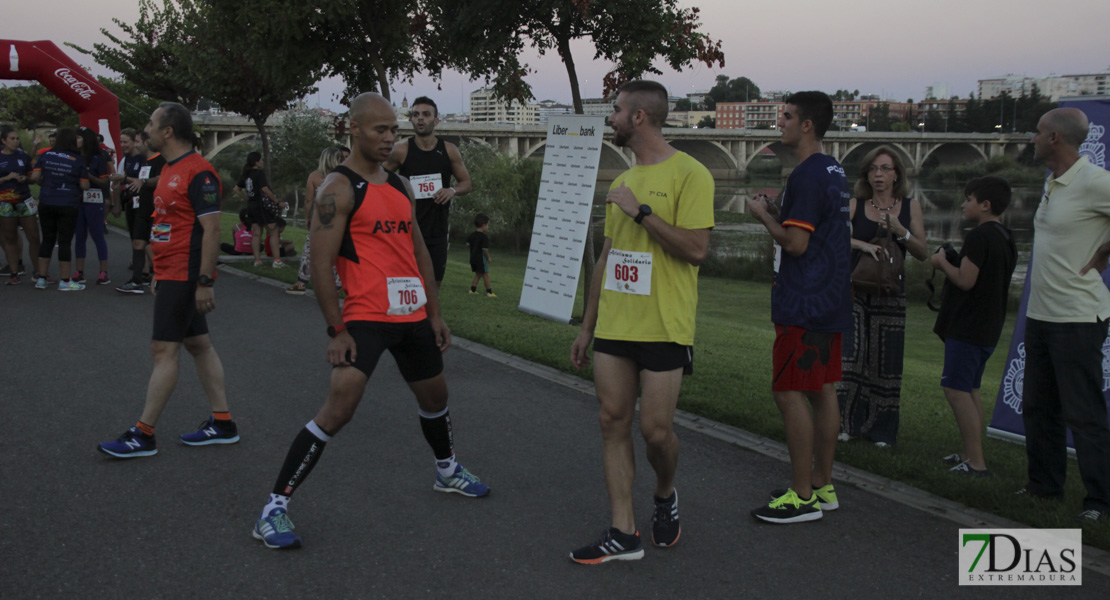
551	108
487	108
765	114
1052	87
937	91
697	99
688	118
748	115
597	106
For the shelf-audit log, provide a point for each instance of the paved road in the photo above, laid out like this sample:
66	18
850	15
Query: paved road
74	523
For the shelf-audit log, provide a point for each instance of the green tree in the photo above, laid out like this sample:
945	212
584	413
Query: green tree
135	105
683	104
372	43
510	187
879	118
296	147
707	122
246	59
148	53
28	106
740	89
632	34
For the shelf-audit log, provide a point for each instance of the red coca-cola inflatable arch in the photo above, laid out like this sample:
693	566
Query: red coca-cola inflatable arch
42	61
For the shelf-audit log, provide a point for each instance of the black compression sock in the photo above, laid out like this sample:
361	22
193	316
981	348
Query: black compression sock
437	430
302	457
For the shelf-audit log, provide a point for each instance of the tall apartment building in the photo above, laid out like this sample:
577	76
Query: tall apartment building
1053	87
487	108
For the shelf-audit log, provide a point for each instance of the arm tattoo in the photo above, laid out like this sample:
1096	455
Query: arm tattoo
325	210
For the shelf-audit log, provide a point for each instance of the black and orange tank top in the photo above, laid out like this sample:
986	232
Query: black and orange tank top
376	259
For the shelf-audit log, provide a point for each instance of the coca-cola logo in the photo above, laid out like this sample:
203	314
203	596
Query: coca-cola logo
83	89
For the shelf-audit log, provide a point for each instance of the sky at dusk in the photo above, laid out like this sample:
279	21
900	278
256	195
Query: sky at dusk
893	48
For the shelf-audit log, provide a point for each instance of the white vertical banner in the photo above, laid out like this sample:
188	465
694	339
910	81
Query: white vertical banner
570	164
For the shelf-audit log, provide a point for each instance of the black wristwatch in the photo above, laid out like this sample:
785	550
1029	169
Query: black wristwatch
645	210
205	281
334	331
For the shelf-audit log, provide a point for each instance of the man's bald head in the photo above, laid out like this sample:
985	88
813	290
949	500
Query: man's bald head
1070	123
368	104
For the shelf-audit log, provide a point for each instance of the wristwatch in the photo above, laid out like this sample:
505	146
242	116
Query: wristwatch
645	210
205	281
336	330
905	238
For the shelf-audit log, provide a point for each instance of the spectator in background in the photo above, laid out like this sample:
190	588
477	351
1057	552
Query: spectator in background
17	207
90	220
63	176
1066	318
872	387
255	188
329	159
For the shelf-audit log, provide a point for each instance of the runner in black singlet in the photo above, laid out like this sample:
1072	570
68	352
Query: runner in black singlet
429	163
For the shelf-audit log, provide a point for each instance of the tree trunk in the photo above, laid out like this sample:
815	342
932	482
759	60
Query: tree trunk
383	79
260	123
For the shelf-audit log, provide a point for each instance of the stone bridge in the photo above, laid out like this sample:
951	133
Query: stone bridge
728	153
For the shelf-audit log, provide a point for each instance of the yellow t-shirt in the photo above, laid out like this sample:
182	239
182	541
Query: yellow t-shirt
679	190
1072	221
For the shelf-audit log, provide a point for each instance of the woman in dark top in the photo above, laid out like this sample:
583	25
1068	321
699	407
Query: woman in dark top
253	186
63	176
17	207
96	201
872	386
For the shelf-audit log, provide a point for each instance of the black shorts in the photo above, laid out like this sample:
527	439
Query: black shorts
413	346
256	215
175	312
479	266
143	221
437	249
652	356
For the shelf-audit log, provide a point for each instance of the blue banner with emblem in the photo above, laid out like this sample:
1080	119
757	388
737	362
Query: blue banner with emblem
1006	421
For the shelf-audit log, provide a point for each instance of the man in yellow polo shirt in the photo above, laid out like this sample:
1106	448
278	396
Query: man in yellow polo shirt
643	297
1066	320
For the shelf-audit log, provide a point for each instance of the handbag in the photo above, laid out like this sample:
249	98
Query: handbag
270	206
882	276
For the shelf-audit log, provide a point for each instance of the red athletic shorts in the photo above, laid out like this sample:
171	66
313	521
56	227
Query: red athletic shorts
805	360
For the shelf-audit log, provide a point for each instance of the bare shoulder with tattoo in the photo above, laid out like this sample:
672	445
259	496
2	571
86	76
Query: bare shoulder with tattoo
334	202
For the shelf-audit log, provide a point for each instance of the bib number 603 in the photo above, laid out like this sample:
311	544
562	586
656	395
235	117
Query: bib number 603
626	273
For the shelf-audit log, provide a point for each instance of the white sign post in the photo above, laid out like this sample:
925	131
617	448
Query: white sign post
570	165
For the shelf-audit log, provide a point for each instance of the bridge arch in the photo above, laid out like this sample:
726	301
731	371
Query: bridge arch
712	154
784	154
952	153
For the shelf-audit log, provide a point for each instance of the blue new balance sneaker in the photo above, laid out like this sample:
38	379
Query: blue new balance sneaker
276	531
132	444
461	482
213	432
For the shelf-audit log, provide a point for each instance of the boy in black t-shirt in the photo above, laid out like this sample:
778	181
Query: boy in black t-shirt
478	242
973	311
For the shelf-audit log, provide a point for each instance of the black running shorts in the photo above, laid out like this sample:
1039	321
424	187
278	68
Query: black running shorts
652	356
175	312
437	249
413	346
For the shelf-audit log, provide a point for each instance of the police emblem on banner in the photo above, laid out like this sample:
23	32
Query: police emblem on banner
1093	148
1014	381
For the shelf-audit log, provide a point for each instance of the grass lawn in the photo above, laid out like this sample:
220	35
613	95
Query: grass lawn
731	381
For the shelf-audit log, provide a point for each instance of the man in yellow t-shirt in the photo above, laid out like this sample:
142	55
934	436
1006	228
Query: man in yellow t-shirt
1067	319
641	309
